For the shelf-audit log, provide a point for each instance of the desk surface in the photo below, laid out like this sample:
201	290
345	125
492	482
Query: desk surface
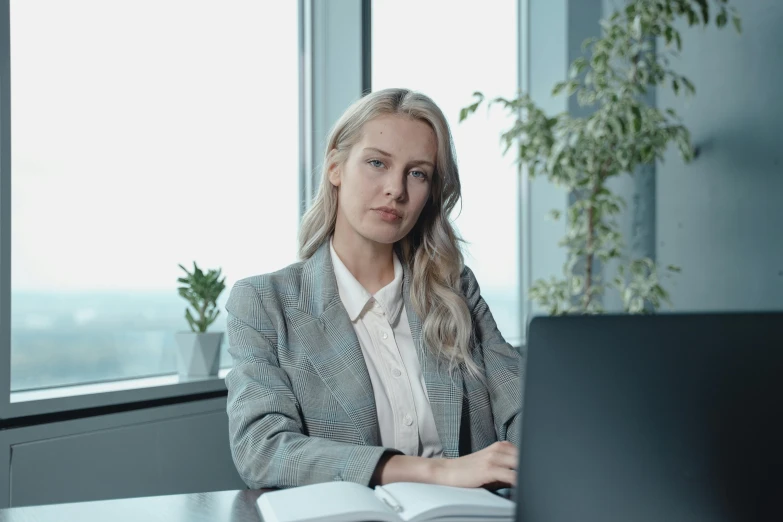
219	506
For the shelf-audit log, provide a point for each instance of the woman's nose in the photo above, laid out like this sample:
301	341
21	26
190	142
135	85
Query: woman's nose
395	185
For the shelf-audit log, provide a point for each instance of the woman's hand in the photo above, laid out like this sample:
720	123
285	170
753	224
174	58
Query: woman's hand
493	467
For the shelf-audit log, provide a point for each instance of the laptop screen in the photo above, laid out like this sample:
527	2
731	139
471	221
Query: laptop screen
653	418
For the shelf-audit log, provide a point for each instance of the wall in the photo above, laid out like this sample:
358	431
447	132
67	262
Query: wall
181	448
720	218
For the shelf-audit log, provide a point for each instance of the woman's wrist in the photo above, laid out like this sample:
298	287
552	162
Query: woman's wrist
403	468
438	470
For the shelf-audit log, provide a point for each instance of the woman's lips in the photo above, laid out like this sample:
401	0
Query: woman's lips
387	216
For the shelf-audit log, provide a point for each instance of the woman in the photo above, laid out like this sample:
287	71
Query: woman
375	353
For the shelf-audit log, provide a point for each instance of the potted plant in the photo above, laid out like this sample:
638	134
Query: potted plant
623	132
198	353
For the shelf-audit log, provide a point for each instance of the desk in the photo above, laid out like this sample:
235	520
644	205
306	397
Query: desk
219	506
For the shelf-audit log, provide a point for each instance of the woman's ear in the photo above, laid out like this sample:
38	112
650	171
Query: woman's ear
335	169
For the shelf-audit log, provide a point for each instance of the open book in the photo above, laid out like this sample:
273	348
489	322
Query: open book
400	501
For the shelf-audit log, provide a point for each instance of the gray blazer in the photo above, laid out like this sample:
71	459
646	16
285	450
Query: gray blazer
301	408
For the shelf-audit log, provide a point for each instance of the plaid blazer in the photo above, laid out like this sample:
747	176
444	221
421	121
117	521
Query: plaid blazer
301	408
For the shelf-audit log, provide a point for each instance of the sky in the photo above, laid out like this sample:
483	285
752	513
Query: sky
140	142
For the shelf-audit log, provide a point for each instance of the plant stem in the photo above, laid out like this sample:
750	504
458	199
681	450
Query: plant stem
588	291
202	316
590	236
588	294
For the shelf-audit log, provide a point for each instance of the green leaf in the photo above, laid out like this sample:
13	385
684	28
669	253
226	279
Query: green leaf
636	28
201	290
191	320
737	23
722	18
470	109
467	111
705	10
555	214
675	86
616	125
587	43
637	118
688	85
627	295
577	67
669	35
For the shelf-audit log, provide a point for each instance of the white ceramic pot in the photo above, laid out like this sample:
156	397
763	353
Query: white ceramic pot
198	354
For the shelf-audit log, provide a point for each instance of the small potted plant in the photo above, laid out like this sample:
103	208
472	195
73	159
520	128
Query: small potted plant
199	350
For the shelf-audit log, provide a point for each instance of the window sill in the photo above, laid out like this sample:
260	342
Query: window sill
134	392
111	394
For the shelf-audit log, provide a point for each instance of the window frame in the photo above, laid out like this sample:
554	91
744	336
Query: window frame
5	209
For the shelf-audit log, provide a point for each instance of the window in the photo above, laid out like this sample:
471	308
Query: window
447	50
144	134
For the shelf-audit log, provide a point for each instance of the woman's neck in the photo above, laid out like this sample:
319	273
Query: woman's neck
371	263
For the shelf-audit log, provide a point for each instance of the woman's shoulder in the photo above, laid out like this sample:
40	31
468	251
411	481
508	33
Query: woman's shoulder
274	286
468	282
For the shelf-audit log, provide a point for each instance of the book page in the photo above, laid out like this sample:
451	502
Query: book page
424	502
326	502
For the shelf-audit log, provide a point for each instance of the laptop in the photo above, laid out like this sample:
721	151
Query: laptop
656	418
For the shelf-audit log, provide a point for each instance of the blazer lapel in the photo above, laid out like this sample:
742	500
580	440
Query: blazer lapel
323	327
444	389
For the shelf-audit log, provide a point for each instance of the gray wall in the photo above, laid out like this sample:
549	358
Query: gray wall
180	448
721	217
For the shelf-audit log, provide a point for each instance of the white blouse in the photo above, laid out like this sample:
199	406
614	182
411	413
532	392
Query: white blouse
381	324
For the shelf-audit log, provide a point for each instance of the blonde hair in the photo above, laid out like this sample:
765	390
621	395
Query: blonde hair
431	249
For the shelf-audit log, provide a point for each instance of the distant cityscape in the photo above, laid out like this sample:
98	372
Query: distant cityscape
73	338
58	339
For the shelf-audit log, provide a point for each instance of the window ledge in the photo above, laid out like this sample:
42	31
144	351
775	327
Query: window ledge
111	393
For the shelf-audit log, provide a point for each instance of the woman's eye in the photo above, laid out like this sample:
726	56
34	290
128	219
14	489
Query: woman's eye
418	174
376	163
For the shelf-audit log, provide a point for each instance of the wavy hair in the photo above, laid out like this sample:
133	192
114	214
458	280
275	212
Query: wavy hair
431	249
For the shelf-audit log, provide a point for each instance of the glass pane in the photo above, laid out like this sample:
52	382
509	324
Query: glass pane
145	134
448	50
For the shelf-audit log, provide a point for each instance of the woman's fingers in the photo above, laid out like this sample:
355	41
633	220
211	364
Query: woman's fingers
506	476
504	460
504	454
504	447
495	464
499	477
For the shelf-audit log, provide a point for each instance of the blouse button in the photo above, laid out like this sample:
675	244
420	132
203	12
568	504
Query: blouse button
396	372
408	420
385	335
